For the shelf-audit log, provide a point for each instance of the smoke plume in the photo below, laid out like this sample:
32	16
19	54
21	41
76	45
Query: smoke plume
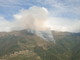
33	19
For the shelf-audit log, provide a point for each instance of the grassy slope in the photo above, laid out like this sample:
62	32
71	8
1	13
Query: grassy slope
26	46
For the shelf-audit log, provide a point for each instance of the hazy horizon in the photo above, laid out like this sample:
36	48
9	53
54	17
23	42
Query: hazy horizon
55	15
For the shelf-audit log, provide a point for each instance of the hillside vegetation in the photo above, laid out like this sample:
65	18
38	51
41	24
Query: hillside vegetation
23	45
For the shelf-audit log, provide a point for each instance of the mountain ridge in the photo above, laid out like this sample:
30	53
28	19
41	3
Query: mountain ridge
23	45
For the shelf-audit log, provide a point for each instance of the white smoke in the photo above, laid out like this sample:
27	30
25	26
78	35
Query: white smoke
33	19
37	19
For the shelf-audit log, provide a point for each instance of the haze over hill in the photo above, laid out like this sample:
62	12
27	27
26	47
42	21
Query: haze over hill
39	30
24	45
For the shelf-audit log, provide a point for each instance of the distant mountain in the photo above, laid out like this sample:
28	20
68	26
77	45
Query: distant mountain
25	45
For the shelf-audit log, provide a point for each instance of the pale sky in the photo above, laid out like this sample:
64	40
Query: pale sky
62	15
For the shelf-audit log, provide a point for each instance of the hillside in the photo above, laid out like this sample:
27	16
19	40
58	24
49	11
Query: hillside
23	45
